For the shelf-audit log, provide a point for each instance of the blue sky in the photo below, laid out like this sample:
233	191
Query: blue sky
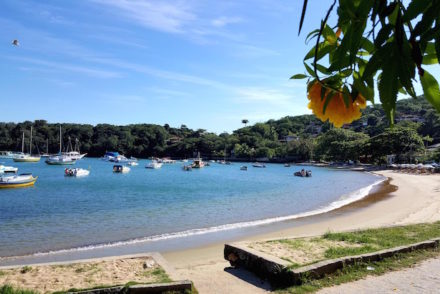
206	64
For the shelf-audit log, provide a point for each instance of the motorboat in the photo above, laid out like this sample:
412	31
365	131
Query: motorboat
132	163
117	168
114	157
167	160
187	168
7	154
76	172
8	169
22	157
259	165
303	173
198	162
17	181
154	165
244	167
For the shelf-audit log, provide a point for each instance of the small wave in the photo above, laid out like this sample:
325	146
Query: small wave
342	201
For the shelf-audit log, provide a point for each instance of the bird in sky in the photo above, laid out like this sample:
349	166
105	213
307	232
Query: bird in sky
15	43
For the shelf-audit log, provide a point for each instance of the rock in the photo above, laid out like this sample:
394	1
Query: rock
149	263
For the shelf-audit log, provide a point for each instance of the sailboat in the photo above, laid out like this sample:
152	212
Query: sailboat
74	152
47	149
26	157
60	159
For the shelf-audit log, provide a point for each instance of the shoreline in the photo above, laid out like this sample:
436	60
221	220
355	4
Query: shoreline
236	231
401	199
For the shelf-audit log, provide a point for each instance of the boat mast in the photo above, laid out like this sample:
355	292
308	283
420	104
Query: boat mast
22	144
47	146
60	140
30	143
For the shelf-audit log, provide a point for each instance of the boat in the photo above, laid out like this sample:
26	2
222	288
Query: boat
303	173
73	152
187	168
259	165
154	165
198	162
76	172
17	181
132	162
117	168
167	160
244	167
60	158
7	154
22	157
8	169
287	165
114	157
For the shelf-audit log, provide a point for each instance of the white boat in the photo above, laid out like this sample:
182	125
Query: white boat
17	181
198	162
8	169
132	163
76	172
259	165
154	165
7	154
22	157
117	168
73	152
115	157
167	160
60	159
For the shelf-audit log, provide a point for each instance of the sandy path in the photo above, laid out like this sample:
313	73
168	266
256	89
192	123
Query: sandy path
416	200
424	278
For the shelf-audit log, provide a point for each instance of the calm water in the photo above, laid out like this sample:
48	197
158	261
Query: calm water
148	205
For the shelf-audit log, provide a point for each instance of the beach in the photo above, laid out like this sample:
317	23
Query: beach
416	199
403	199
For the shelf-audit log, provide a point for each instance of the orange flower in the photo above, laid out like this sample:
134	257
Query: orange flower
337	113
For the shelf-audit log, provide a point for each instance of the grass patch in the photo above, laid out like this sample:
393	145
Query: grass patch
359	271
25	269
335	245
7	289
160	275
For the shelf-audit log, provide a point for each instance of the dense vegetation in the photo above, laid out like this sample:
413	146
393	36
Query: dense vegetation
296	138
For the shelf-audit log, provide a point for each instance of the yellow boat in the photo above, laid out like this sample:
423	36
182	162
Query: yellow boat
20	181
26	157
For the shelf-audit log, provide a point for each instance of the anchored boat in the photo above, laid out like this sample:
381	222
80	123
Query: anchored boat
22	157
8	169
17	181
60	159
154	165
120	169
76	172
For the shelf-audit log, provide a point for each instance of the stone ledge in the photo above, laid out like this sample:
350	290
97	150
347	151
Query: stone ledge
179	286
276	270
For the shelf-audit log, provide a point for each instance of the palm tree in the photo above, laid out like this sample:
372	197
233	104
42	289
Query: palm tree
244	121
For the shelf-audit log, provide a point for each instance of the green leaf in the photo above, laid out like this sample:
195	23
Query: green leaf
430	59
322	69
298	77
346	96
309	70
415	7
383	35
437	47
323	49
311	35
303	14
388	88
431	89
327	101
329	35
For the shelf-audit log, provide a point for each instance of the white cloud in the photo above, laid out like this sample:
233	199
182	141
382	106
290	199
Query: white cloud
167	16
225	20
90	71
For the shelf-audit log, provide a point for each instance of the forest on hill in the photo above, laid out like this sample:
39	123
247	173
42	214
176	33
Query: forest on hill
296	138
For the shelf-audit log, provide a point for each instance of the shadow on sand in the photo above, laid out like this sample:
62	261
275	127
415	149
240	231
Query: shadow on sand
249	278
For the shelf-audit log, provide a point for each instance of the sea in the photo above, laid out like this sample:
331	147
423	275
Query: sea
157	210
